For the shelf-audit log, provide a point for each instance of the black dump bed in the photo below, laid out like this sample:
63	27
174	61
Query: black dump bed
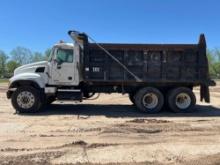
157	63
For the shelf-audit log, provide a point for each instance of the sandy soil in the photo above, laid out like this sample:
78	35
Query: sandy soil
109	130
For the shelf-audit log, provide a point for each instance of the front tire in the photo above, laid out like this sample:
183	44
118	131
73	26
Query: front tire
181	99
149	100
131	98
26	100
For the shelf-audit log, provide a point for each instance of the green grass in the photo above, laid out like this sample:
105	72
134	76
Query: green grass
3	80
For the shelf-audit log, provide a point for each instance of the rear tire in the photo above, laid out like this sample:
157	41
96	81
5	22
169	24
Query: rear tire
26	100
149	100
181	99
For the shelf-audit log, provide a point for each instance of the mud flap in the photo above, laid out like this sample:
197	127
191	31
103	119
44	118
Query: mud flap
204	93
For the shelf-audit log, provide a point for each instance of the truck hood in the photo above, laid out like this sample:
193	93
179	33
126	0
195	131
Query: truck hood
30	68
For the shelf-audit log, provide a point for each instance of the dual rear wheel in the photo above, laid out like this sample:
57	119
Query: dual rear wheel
181	100
151	100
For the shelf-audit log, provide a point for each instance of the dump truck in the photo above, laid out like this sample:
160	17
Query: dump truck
152	75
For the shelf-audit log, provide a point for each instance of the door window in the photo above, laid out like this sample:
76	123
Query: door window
64	56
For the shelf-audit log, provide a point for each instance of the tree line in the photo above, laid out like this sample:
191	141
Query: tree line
21	55
17	57
214	63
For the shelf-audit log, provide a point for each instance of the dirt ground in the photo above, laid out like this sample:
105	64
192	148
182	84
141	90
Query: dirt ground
110	130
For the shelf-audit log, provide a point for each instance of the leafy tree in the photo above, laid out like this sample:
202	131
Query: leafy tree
22	55
216	68
38	57
214	63
211	58
3	59
217	53
211	61
11	66
47	53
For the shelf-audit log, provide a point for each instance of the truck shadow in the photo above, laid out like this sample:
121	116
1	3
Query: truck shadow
123	111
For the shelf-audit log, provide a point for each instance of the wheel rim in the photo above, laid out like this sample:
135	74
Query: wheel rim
150	100
25	99
183	100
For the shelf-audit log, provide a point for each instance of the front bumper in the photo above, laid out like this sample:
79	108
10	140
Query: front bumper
10	92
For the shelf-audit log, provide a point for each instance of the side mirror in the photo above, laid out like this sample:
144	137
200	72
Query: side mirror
55	61
58	62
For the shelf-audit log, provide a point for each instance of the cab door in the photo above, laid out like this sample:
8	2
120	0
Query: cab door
64	67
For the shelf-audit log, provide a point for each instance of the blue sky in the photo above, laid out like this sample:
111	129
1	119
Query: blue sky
38	24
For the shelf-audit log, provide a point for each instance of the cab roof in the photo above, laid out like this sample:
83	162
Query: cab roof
64	45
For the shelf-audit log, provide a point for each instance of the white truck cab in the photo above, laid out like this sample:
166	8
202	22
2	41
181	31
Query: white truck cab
45	77
60	69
